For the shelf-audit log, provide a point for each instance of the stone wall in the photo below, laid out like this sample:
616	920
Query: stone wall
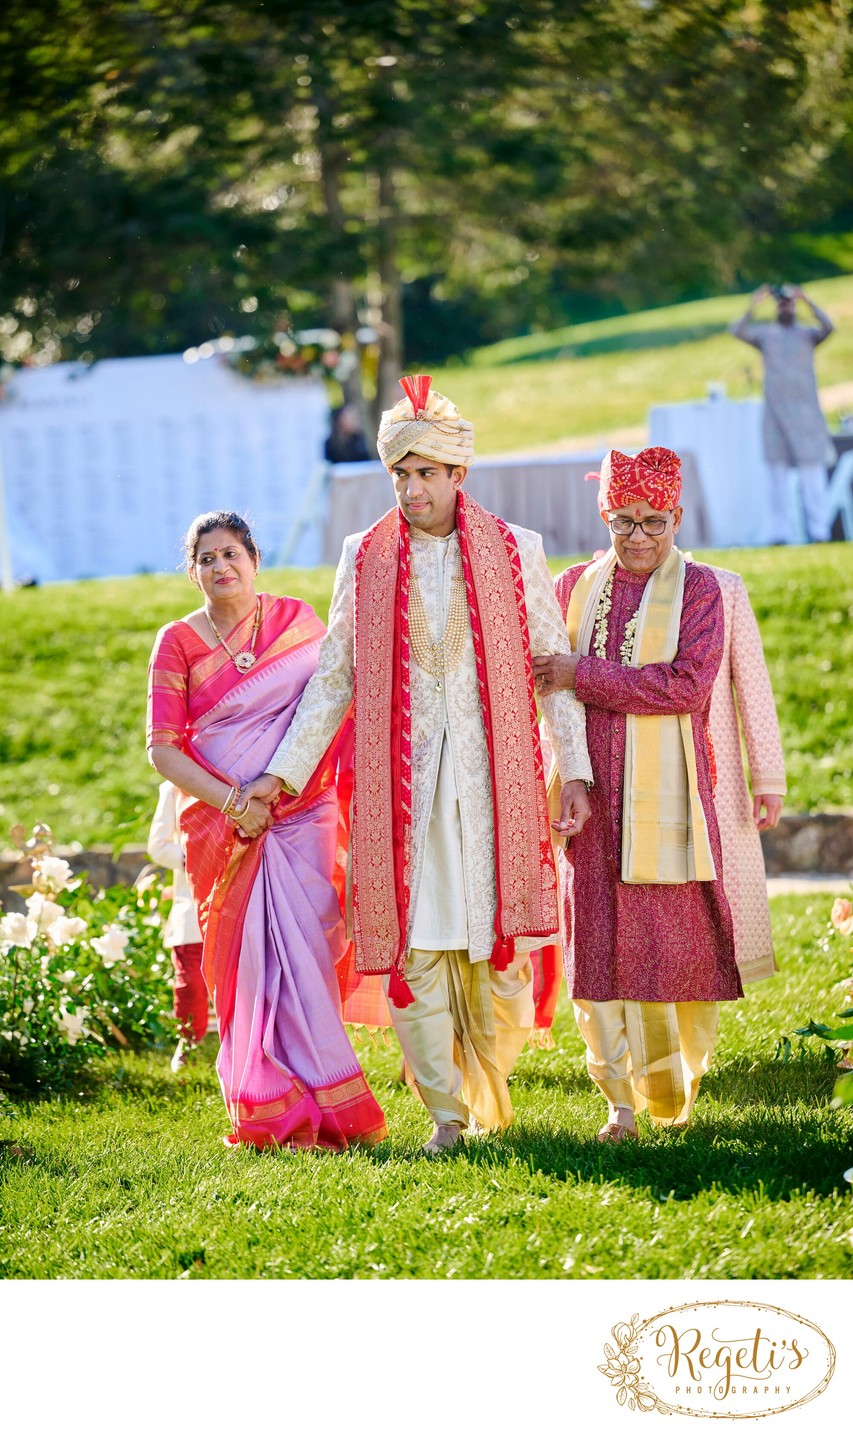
102	868
810	843
803	843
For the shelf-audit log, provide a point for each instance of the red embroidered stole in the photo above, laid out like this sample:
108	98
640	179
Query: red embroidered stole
382	813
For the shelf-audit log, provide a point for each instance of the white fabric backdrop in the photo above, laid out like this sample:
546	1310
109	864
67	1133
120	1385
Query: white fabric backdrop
724	435
105	467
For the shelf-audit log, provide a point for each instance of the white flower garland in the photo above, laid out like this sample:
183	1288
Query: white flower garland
599	643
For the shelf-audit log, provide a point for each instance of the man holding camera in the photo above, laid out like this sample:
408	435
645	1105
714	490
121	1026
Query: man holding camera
795	434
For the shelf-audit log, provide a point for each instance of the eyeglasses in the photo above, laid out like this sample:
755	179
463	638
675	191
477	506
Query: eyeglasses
625	527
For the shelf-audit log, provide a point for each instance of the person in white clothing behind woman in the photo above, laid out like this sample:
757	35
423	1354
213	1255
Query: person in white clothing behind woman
181	933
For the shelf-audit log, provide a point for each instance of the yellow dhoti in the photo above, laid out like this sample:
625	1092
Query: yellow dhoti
649	1056
464	1032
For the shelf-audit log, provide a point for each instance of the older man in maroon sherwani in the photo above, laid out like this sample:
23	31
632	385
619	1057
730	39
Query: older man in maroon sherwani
647	934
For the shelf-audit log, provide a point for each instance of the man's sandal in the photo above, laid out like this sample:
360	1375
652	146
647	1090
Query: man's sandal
615	1133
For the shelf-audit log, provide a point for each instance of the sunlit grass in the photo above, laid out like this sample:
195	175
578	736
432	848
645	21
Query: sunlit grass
133	1181
598	379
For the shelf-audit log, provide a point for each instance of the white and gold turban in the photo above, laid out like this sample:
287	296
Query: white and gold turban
425	423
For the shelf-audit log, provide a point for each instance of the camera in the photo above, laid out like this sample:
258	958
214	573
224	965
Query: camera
780	291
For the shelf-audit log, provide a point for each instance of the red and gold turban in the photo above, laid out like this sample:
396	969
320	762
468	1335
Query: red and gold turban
653	474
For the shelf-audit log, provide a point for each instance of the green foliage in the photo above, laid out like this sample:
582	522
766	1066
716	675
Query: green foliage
67	997
44	1044
135	1183
132	1000
528	156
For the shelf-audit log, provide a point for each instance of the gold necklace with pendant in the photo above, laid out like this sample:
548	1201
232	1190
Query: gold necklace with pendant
246	657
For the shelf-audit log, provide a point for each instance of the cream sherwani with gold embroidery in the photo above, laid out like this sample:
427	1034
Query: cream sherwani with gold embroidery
453	891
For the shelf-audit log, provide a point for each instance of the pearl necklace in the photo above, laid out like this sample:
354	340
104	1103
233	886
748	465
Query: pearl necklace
599	645
247	657
439	657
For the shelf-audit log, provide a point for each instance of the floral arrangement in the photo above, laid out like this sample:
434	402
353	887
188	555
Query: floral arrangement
285	354
79	973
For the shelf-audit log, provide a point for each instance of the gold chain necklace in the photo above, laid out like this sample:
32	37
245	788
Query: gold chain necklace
439	657
247	657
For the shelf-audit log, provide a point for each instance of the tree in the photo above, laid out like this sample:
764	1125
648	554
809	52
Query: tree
174	170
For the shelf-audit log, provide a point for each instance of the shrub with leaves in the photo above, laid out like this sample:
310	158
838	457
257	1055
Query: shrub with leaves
79	973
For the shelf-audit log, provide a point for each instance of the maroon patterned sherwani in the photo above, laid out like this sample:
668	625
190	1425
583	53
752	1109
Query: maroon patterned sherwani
653	943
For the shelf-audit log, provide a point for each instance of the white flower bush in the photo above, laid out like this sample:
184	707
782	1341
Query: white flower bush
111	945
52	875
43	911
72	1026
17	930
66	930
79	973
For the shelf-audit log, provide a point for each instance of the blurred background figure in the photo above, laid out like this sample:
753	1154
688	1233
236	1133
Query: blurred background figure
742	688
795	433
182	933
346	443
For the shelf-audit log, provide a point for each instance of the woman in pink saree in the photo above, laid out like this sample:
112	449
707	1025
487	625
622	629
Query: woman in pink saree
224	684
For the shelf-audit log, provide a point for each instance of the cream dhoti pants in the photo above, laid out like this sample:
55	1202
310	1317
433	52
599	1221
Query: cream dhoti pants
648	1055
463	1033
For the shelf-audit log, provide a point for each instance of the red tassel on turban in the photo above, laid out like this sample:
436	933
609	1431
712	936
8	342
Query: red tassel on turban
654	475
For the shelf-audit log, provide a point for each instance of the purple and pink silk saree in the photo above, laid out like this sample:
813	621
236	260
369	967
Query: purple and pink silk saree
269	908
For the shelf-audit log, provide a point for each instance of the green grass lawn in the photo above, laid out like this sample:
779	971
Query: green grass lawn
74	657
132	1181
595	380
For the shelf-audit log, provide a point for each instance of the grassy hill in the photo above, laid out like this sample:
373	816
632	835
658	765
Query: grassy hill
74	657
593	382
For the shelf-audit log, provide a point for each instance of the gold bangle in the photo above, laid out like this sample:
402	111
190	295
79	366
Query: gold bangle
235	800
243	811
230	798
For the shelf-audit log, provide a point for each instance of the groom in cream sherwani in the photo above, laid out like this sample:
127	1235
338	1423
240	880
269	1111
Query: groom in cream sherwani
434	617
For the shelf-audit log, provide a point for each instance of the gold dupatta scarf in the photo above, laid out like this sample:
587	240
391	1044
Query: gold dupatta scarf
664	831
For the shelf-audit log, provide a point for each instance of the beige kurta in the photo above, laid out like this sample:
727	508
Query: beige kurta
794	429
450	718
440	921
743	679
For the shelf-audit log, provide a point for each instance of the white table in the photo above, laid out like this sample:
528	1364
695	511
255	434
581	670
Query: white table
724	435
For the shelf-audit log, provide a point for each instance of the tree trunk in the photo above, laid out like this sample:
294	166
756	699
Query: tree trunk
342	311
391	297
